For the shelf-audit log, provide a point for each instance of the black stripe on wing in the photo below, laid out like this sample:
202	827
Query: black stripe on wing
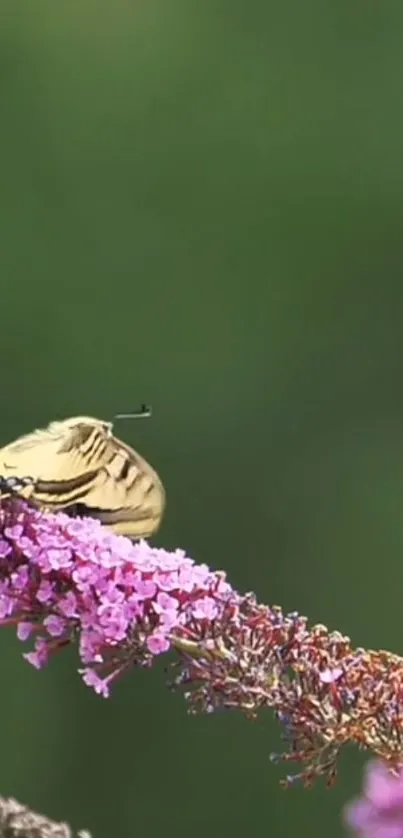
108	517
63	492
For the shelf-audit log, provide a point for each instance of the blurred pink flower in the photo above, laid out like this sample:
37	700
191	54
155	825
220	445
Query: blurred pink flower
378	813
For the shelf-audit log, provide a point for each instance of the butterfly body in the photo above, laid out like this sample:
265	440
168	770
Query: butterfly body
79	466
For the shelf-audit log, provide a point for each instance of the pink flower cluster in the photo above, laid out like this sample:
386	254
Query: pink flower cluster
63	578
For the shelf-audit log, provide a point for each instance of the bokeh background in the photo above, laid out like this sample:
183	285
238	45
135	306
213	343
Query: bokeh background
202	208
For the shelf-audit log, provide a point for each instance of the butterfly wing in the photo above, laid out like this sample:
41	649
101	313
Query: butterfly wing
63	461
80	467
127	494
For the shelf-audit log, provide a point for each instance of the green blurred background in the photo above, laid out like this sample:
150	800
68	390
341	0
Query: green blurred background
201	207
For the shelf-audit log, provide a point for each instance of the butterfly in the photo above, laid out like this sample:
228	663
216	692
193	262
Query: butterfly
77	465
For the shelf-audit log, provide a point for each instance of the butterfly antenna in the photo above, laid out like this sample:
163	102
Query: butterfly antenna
145	412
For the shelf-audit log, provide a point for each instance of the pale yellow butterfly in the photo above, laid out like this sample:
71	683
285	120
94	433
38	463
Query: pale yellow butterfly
77	465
